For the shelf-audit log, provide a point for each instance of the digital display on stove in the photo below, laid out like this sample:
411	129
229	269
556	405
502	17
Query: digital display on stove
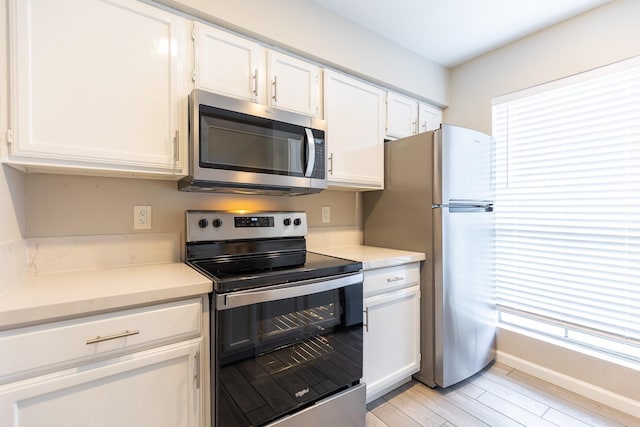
254	221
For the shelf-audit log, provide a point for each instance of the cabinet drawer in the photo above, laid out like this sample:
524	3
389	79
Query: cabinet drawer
391	278
32	350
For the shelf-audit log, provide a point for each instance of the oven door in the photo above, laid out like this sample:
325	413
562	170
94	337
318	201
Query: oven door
280	349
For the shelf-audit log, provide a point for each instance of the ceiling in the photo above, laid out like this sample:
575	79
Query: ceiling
450	32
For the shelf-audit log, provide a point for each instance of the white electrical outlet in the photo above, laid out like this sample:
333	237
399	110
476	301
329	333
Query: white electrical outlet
142	217
326	214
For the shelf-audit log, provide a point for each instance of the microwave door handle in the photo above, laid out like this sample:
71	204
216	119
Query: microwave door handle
311	152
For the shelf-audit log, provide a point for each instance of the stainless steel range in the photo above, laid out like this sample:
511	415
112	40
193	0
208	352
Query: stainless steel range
286	324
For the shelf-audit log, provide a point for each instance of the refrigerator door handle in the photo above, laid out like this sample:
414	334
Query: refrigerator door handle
487	207
471	208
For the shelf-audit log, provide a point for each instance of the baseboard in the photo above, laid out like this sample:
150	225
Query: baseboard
376	392
591	391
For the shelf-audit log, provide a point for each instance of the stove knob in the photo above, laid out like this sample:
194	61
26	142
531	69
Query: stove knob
287	221
203	223
217	222
297	221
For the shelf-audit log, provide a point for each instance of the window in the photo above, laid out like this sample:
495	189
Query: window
567	208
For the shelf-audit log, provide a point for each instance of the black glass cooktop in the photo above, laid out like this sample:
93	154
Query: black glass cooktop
241	272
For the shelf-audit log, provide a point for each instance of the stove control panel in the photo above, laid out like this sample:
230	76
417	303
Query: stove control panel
226	225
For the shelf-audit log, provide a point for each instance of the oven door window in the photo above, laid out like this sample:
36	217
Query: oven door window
234	141
275	357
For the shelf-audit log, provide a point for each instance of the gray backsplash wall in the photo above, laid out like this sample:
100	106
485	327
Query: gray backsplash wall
66	205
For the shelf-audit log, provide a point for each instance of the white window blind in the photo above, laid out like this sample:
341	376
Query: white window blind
567	209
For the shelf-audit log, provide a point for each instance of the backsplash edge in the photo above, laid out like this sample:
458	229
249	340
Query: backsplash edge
13	263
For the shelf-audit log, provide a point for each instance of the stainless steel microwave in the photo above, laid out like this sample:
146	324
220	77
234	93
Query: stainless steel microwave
242	147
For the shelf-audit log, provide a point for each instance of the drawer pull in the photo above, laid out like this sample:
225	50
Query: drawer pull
366	319
395	279
112	337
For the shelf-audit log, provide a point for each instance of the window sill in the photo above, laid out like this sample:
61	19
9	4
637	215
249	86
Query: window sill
599	355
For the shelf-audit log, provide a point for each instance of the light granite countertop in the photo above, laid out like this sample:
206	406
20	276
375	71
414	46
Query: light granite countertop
54	296
372	257
51	296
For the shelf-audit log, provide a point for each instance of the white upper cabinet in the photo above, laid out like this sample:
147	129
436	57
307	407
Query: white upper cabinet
234	66
354	111
402	116
407	116
293	84
98	86
429	117
228	64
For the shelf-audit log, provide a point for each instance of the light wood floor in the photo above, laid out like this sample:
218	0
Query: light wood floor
497	396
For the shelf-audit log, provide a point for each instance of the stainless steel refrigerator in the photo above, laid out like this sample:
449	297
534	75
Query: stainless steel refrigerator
438	199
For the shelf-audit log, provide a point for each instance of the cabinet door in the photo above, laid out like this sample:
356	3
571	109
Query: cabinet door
97	85
402	116
354	111
229	64
393	322
157	388
293	84
430	118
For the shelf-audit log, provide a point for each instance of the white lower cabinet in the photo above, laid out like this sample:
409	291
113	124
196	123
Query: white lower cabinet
149	374
151	388
392	332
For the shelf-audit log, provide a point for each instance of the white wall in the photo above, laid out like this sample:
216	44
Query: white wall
303	27
601	36
604	35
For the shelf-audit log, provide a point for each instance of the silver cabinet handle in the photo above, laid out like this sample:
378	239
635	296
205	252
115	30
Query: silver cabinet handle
366	319
197	373
255	82
394	279
112	337
330	164
176	147
275	88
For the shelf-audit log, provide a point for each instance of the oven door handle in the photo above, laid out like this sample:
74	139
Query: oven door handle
289	290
